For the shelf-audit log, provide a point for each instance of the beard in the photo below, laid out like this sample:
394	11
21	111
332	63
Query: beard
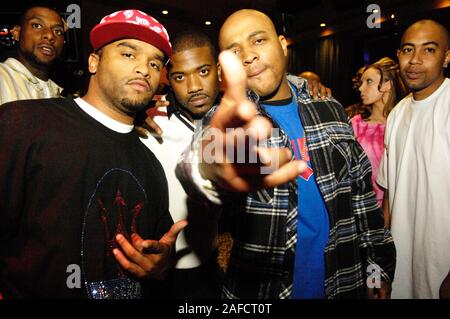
414	86
132	106
119	95
196	114
36	62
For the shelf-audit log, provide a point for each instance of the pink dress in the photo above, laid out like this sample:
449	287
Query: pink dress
371	138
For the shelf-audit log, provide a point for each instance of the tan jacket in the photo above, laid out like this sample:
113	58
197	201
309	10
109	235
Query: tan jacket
17	83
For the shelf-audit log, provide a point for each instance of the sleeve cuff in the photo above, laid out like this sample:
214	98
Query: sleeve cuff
205	186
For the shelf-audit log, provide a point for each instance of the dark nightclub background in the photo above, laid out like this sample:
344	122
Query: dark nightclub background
330	37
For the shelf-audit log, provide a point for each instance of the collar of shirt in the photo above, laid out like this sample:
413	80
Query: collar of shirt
17	66
104	119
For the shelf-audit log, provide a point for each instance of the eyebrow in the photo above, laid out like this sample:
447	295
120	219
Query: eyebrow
251	35
425	43
41	19
128	45
135	48
197	68
159	57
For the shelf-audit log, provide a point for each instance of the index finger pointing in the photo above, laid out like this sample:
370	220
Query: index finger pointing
234	75
235	109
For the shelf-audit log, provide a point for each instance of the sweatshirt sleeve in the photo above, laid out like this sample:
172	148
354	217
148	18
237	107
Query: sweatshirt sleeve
14	146
187	171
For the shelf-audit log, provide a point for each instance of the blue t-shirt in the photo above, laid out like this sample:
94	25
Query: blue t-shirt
313	224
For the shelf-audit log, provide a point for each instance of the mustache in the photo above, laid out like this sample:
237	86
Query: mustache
193	96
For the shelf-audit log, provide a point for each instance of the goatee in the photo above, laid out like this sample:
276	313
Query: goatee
133	106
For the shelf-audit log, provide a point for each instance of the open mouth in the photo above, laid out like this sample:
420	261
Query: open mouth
47	50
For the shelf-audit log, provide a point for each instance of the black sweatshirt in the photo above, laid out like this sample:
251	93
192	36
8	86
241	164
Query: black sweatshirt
68	184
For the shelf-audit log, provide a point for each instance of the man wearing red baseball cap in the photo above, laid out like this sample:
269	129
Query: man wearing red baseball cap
131	24
84	205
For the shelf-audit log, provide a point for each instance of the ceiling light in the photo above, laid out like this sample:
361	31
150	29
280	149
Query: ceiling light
323	25
165	12
208	22
392	16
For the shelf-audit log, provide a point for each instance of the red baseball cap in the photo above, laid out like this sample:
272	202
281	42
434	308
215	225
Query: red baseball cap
132	24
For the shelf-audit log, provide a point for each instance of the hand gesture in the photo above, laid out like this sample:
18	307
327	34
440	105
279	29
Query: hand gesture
148	258
236	126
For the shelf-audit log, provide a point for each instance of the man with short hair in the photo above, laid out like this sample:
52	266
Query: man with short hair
84	203
415	168
193	74
318	236
40	38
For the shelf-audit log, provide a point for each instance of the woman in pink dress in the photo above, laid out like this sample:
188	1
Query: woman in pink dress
381	88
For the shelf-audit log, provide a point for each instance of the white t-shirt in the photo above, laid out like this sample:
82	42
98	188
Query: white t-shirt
104	119
416	170
195	247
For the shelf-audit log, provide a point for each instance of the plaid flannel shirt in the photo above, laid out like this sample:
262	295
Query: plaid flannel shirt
265	222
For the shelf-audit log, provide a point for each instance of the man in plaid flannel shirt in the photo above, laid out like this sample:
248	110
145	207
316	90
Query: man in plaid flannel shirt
358	254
